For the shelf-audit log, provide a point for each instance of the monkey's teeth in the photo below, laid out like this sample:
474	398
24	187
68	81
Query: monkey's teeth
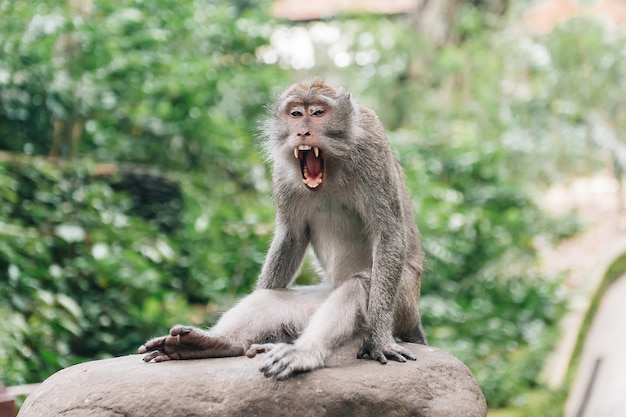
312	184
311	181
297	149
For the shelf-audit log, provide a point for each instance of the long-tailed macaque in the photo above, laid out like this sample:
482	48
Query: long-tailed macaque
338	188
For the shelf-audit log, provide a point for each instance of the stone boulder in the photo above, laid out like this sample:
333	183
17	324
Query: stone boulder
435	385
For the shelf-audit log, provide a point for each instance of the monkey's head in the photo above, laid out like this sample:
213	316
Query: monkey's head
311	127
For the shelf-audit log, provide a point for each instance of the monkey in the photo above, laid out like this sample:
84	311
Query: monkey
338	189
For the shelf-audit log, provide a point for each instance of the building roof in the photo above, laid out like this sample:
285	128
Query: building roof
323	9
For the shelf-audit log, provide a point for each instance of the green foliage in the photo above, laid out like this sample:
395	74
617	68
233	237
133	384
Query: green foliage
482	298
150	85
73	252
543	402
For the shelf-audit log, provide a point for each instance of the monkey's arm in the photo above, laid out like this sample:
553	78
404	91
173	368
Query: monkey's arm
284	257
389	256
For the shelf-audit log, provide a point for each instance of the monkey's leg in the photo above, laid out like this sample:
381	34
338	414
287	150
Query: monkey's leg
419	336
263	316
340	318
407	323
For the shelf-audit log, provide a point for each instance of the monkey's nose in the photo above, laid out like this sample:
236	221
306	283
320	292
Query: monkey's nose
305	133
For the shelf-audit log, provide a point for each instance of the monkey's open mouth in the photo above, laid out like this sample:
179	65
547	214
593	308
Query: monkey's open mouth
312	165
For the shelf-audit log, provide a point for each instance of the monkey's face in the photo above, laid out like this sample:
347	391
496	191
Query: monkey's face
310	133
306	123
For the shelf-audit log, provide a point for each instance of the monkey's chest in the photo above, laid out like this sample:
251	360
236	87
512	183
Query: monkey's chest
341	242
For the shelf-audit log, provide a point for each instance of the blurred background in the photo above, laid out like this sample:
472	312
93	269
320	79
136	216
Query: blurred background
133	195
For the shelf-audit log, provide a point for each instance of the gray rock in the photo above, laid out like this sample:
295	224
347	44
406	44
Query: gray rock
435	385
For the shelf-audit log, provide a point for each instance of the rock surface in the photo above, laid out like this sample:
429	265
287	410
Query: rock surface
435	385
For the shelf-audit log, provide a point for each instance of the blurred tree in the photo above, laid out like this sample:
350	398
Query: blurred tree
120	82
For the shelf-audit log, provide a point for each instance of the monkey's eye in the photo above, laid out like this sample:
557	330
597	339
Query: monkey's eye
296	113
318	112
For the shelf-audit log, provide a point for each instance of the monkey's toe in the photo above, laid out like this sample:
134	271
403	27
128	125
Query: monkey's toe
179	330
152	344
156	356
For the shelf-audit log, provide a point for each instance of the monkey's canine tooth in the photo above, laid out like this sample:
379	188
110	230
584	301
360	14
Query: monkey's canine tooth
316	151
297	149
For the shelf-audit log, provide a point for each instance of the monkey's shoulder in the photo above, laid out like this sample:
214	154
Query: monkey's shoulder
369	117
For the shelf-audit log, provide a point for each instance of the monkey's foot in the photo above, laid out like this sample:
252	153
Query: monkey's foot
383	352
283	360
185	342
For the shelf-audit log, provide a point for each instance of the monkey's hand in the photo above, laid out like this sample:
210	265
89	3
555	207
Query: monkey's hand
257	348
283	360
185	342
383	350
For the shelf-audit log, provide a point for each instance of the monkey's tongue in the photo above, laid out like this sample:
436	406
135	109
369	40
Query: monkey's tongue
313	172
313	164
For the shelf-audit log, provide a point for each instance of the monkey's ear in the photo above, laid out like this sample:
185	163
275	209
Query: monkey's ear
345	102
345	98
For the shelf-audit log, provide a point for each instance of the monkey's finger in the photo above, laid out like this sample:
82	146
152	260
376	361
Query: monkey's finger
285	373
278	369
398	350
259	348
380	357
251	353
274	364
362	353
254	350
266	367
394	356
269	369
408	355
